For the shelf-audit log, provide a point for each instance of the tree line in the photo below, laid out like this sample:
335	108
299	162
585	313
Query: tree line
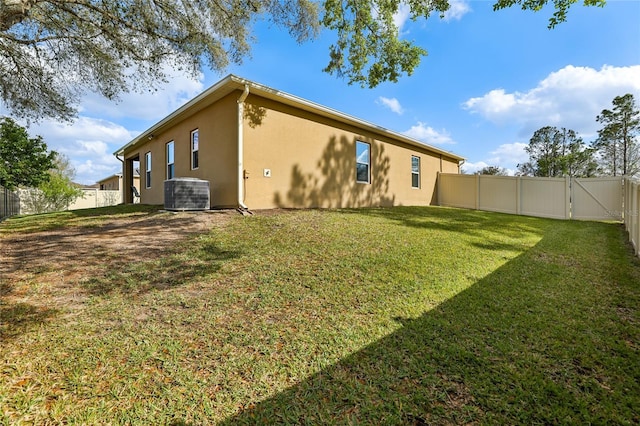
559	152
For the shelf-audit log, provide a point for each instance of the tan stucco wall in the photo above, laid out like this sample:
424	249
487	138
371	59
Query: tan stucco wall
311	159
113	183
312	163
217	125
110	184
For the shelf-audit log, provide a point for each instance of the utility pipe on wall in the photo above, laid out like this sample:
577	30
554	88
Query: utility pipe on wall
241	100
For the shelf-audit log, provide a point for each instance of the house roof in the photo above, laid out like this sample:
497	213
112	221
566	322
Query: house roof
232	83
136	173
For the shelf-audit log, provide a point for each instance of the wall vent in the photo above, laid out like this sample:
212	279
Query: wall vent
186	194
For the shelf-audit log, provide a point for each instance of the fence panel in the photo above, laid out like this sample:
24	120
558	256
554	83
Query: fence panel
96	198
499	194
632	212
596	198
9	203
545	197
456	190
541	197
90	198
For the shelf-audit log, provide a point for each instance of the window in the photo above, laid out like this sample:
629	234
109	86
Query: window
415	171
194	149
170	161
363	162
147	168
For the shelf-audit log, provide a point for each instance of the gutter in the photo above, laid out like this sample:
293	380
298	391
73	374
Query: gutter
241	175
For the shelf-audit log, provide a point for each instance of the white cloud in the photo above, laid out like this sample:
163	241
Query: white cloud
392	103
89	144
457	9
429	135
401	16
571	97
150	104
506	156
509	155
471	168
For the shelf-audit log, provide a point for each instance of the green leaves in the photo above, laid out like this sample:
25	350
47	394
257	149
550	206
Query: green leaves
561	7
617	140
23	160
557	152
369	50
54	52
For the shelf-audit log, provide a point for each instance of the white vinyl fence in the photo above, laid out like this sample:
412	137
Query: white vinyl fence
632	212
90	198
558	198
96	198
607	198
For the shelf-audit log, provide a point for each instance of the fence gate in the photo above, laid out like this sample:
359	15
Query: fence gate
596	198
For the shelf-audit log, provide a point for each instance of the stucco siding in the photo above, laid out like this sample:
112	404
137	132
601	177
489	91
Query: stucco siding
217	128
295	158
294	154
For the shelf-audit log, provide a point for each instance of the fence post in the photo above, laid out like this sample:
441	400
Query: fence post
568	191
518	195
635	214
477	192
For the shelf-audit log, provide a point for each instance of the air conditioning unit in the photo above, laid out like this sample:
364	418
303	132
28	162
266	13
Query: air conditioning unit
186	194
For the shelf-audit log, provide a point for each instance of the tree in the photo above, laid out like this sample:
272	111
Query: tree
23	160
53	51
55	194
557	152
493	170
617	144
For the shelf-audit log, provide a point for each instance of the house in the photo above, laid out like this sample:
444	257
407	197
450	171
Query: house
261	148
114	182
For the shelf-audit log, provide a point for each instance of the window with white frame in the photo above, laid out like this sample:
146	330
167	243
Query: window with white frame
415	171
170	160
147	170
363	162
194	149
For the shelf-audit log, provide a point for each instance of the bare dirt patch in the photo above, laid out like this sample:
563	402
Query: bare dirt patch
43	269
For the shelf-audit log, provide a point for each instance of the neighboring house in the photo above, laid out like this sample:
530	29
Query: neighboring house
114	182
260	148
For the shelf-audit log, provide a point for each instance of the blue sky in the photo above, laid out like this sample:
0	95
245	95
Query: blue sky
489	81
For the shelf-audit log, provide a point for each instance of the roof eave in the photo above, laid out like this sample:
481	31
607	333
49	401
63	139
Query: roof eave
232	82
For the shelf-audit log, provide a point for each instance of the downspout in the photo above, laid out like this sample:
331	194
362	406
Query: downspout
241	100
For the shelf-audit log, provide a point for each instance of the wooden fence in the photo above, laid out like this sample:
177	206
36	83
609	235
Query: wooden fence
9	203
607	198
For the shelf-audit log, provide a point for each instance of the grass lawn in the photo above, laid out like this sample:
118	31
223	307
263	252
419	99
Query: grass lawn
370	316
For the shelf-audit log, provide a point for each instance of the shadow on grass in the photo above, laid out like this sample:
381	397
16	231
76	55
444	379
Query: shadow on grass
15	319
453	219
532	343
172	270
55	220
144	251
